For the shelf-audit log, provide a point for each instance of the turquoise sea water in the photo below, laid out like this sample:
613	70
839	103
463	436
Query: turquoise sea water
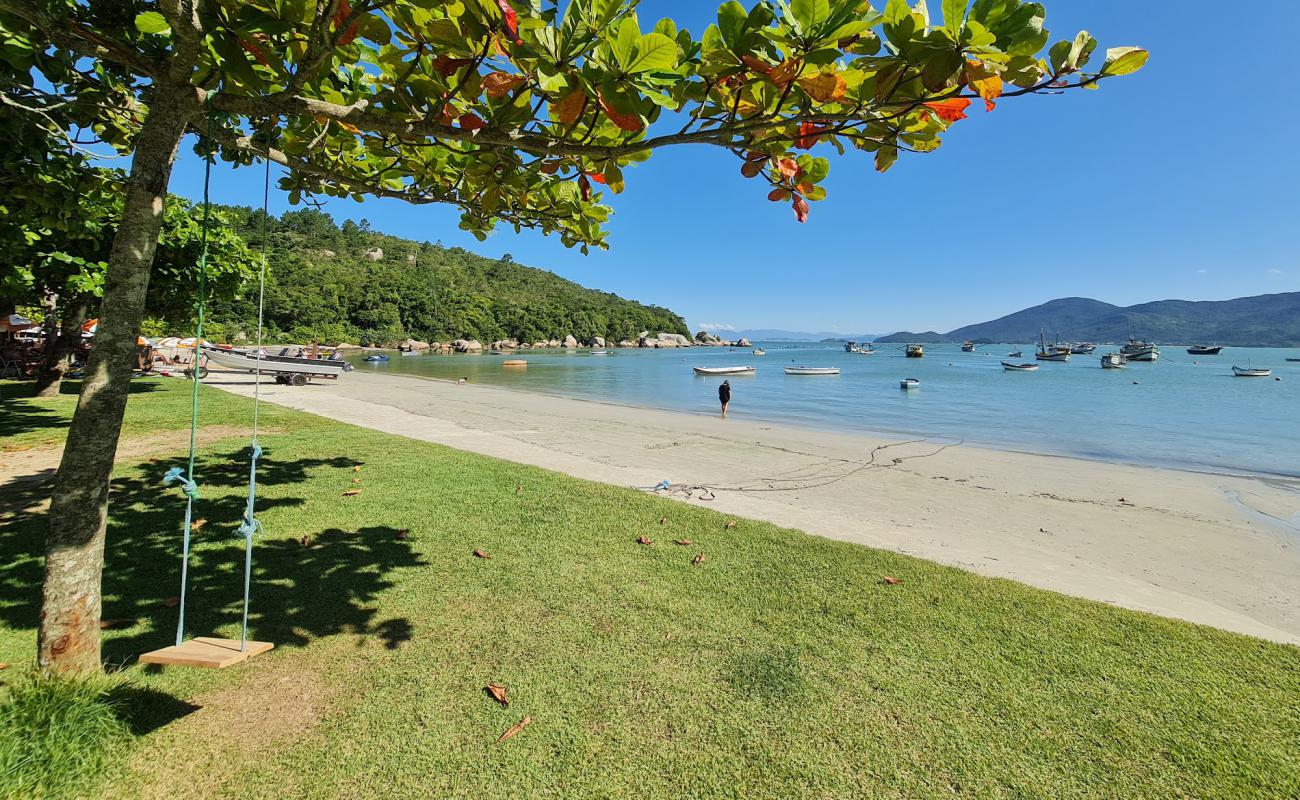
1176	412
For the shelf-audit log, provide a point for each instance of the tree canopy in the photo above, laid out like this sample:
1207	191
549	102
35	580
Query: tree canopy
515	111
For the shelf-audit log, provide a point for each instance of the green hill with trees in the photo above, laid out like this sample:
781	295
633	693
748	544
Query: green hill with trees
348	283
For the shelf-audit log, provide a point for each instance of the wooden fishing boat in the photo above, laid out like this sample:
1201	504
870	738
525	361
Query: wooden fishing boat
1205	350
1009	367
909	383
758	351
801	370
1138	350
1114	361
1015	354
1250	372
1046	352
1082	348
968	346
915	351
724	371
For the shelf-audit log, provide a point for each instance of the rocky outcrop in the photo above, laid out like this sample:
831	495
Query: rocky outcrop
327	253
626	343
347	346
467	346
505	344
648	342
374	255
673	340
708	339
596	341
413	344
570	341
743	342
410	258
553	343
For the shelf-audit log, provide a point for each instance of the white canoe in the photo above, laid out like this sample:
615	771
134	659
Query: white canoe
1007	366
275	364
812	370
1245	372
724	370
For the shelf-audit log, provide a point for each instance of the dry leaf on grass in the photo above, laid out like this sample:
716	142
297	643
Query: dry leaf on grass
198	523
171	602
699	559
663	520
305	541
892	581
731	523
356	480
683	542
402	534
644	540
481	554
3	665
519	489
514	729
498	693
352	493
115	624
356	468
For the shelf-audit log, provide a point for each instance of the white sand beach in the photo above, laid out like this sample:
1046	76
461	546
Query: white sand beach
1214	549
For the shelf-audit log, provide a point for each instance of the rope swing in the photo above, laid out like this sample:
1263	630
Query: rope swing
208	651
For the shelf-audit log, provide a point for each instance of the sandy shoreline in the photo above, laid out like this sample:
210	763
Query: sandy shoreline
1213	549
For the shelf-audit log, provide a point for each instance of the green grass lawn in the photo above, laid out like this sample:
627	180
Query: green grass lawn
780	666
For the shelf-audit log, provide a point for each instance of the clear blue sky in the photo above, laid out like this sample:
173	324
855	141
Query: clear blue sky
1177	182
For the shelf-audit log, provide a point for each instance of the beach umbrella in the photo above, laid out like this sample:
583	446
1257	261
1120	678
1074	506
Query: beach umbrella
140	341
89	327
168	341
15	322
189	342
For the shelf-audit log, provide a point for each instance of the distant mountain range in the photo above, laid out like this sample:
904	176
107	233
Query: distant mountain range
1267	320
776	335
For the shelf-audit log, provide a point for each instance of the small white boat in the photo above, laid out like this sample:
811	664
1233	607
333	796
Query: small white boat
411	352
758	351
909	383
1015	354
715	371
1249	372
812	370
1114	361
285	368
1138	350
869	350
599	353
1009	367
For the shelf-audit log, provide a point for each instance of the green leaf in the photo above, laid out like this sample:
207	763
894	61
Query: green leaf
152	22
810	13
954	15
654	51
624	45
1124	60
731	22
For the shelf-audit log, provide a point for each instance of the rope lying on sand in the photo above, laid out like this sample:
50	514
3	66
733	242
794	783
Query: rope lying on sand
708	492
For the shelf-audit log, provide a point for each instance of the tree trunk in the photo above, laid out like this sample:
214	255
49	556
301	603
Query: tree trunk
68	639
58	355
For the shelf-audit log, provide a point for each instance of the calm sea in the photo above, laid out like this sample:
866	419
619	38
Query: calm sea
1184	411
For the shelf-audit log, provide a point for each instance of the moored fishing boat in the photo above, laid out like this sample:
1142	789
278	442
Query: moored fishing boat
801	370
1015	354
1251	372
758	351
1046	352
1113	361
712	371
915	351
1082	348
1009	367
1138	350
968	346
1205	350
599	353
909	383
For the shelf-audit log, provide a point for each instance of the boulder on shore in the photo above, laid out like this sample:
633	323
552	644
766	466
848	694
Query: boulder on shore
467	346
673	340
413	344
708	339
626	343
648	342
505	344
596	341
743	342
541	344
570	341
553	343
347	346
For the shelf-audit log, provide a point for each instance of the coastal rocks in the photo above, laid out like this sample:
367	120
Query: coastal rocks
673	340
467	346
708	339
648	342
743	342
347	346
553	343
538	345
374	255
413	344
570	341
505	344
596	341
626	343
643	335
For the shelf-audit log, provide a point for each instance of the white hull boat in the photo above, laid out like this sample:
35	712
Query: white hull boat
1114	361
724	371
281	366
812	370
1248	372
1137	350
1009	367
599	352
909	383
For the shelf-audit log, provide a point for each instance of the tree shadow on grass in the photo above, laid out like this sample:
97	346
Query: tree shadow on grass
24	413
298	592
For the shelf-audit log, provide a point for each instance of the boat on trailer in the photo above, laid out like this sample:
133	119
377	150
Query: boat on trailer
1251	372
286	368
801	370
1009	367
724	371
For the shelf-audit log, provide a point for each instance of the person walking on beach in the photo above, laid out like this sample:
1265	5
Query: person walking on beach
724	396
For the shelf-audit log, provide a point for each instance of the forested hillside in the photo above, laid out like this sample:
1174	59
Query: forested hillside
348	283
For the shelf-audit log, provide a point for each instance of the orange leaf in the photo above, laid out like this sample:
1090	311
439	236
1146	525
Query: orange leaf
891	581
801	209
481	554
789	167
352	493
511	19
447	66
808	136
805	187
683	542
949	110
257	51
500	84
356	468
570	107
644	540
699	559
625	121
514	729
471	122
198	523
353	129
778	195
498	693
751	168
756	65
597	177
785	72
340	16
825	87
305	541
5	665
988	84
